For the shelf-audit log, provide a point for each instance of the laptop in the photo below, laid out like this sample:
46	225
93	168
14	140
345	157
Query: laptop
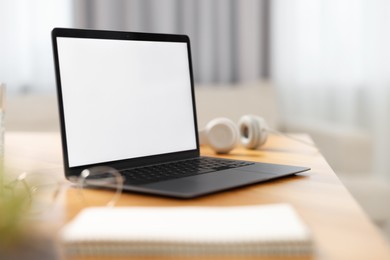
126	100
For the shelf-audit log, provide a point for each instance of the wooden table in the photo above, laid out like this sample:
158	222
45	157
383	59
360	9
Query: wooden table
340	227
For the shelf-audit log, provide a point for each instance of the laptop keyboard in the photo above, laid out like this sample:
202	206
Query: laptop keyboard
179	169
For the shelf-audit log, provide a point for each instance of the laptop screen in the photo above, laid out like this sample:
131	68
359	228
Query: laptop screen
125	99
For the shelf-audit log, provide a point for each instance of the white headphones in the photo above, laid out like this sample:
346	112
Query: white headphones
222	134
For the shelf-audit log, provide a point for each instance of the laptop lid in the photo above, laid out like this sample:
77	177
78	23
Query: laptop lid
125	99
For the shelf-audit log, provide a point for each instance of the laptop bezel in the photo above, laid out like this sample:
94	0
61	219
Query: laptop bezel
119	35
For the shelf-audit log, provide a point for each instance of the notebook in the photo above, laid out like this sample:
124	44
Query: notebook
126	100
241	230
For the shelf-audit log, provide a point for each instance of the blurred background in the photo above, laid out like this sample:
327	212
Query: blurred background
320	67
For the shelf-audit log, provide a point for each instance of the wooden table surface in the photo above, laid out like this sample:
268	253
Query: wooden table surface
340	227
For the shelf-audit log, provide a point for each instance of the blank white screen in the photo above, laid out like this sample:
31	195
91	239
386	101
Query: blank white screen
125	99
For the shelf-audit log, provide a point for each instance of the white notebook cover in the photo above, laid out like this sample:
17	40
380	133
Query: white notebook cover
250	230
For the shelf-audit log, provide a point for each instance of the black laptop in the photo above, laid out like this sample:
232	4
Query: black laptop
126	100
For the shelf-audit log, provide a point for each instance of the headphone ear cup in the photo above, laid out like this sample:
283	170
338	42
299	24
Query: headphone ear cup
253	131
222	135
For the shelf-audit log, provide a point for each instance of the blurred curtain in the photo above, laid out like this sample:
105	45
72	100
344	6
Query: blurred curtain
227	36
331	62
26	61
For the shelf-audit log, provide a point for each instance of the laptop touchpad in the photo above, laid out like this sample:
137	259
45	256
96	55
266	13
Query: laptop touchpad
211	182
